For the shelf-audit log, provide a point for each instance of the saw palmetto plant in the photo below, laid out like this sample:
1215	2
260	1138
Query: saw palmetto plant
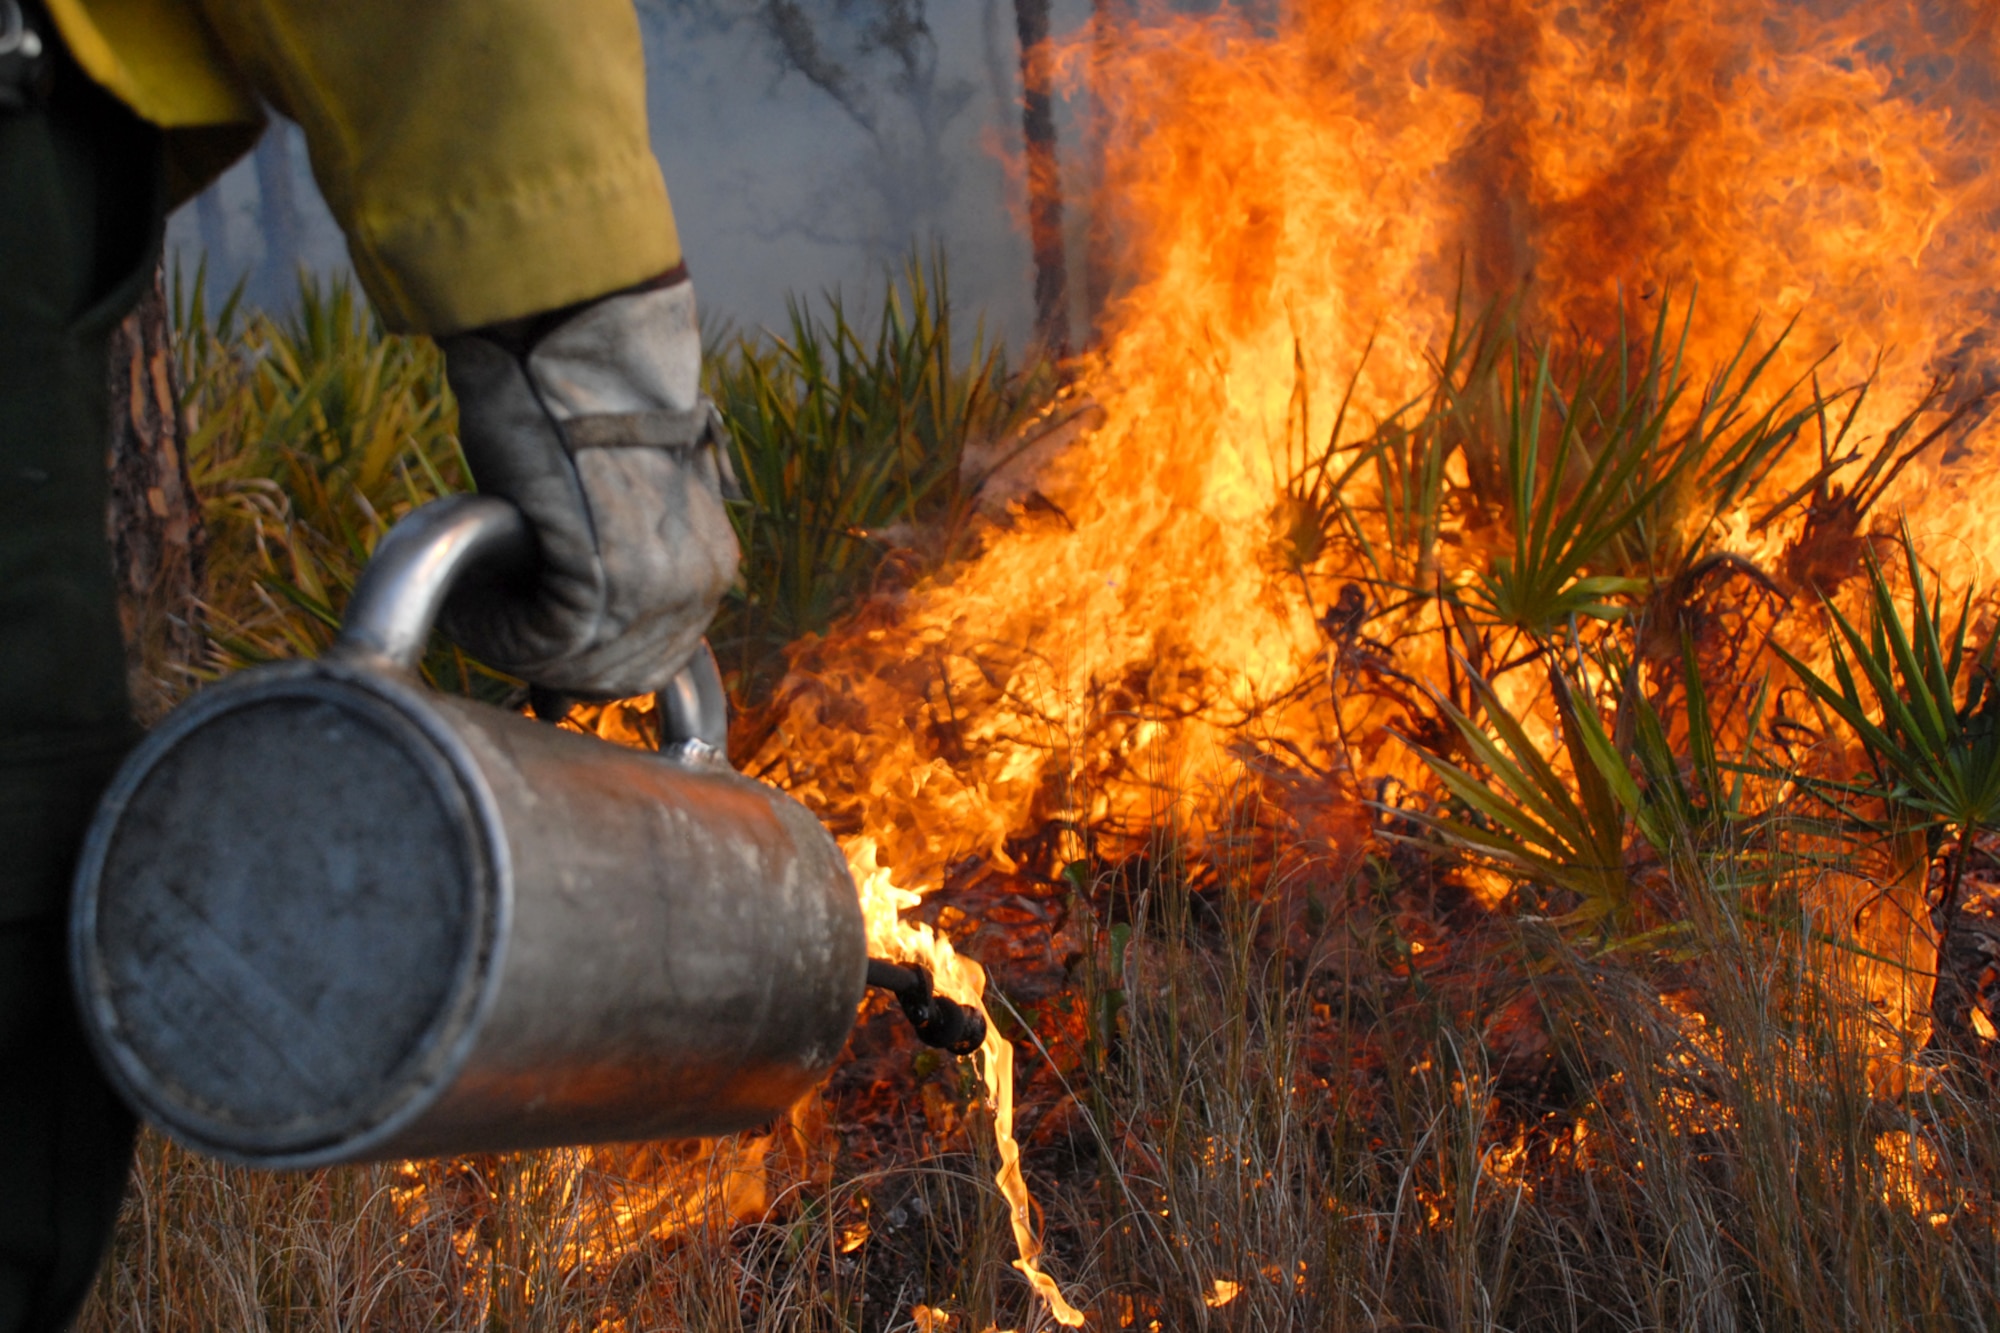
1917	689
1694	805
1619	804
1588	479
1564	500
849	442
1626	810
1383	494
310	434
1612	472
1561	830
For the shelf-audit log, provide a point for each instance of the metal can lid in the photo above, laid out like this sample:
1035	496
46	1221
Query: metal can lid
286	915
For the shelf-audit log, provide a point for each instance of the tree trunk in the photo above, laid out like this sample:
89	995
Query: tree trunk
154	520
1968	955
1045	209
1107	19
213	225
278	218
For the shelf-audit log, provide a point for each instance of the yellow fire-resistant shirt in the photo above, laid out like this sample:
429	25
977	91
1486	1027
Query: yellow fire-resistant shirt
487	159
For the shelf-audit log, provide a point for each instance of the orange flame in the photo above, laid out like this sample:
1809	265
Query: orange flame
1284	197
1288	196
959	978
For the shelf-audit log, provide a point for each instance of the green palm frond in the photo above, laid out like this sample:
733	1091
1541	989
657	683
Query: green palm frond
1610	479
1566	831
1896	687
1584	821
850	445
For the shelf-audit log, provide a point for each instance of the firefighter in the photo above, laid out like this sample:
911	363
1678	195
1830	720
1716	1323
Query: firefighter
489	163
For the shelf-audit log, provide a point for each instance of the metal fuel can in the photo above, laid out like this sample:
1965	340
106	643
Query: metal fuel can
326	914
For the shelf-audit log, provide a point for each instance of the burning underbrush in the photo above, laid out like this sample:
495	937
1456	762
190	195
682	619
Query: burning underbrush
1243	1105
1467	787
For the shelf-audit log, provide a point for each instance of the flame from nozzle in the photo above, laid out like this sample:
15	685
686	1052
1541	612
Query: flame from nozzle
959	978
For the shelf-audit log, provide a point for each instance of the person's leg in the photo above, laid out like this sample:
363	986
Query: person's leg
65	1138
80	202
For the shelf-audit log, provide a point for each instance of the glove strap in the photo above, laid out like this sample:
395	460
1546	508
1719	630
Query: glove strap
666	428
695	429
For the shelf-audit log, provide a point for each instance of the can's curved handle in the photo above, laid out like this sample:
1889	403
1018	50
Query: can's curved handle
694	708
415	565
389	618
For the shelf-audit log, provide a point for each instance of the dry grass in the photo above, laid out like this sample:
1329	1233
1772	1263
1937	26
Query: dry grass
1510	1135
1274	1089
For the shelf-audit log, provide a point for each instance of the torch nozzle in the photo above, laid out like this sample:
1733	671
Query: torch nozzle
938	1021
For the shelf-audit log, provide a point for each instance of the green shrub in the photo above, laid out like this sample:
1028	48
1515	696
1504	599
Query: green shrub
309	435
850	447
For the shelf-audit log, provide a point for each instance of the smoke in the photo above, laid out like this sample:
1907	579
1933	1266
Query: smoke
808	145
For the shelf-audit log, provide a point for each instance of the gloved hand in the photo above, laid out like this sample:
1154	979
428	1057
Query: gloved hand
591	420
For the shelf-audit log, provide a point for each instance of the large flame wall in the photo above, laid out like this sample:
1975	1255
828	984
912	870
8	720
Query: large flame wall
1282	194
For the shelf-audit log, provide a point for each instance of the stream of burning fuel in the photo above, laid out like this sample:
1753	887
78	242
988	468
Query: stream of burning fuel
962	979
1287	191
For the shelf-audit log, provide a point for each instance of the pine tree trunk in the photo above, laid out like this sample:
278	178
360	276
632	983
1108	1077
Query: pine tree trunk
1045	206
278	218
1108	18
154	520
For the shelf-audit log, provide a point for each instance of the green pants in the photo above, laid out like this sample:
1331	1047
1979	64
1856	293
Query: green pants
80	221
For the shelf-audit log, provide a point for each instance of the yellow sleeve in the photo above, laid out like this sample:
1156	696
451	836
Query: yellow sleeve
159	58
487	159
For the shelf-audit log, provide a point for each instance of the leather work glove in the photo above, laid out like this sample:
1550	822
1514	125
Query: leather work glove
592	421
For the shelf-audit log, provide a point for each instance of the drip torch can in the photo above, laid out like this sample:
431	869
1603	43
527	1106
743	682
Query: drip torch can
325	914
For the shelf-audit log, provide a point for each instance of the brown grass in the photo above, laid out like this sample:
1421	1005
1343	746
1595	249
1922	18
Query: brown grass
1281	1092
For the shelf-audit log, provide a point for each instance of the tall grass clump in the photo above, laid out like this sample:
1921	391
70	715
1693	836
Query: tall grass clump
550	1241
1919	693
309	435
1368	1123
850	442
1330	1095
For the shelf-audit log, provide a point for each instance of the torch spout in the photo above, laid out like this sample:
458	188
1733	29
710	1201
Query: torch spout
939	1022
